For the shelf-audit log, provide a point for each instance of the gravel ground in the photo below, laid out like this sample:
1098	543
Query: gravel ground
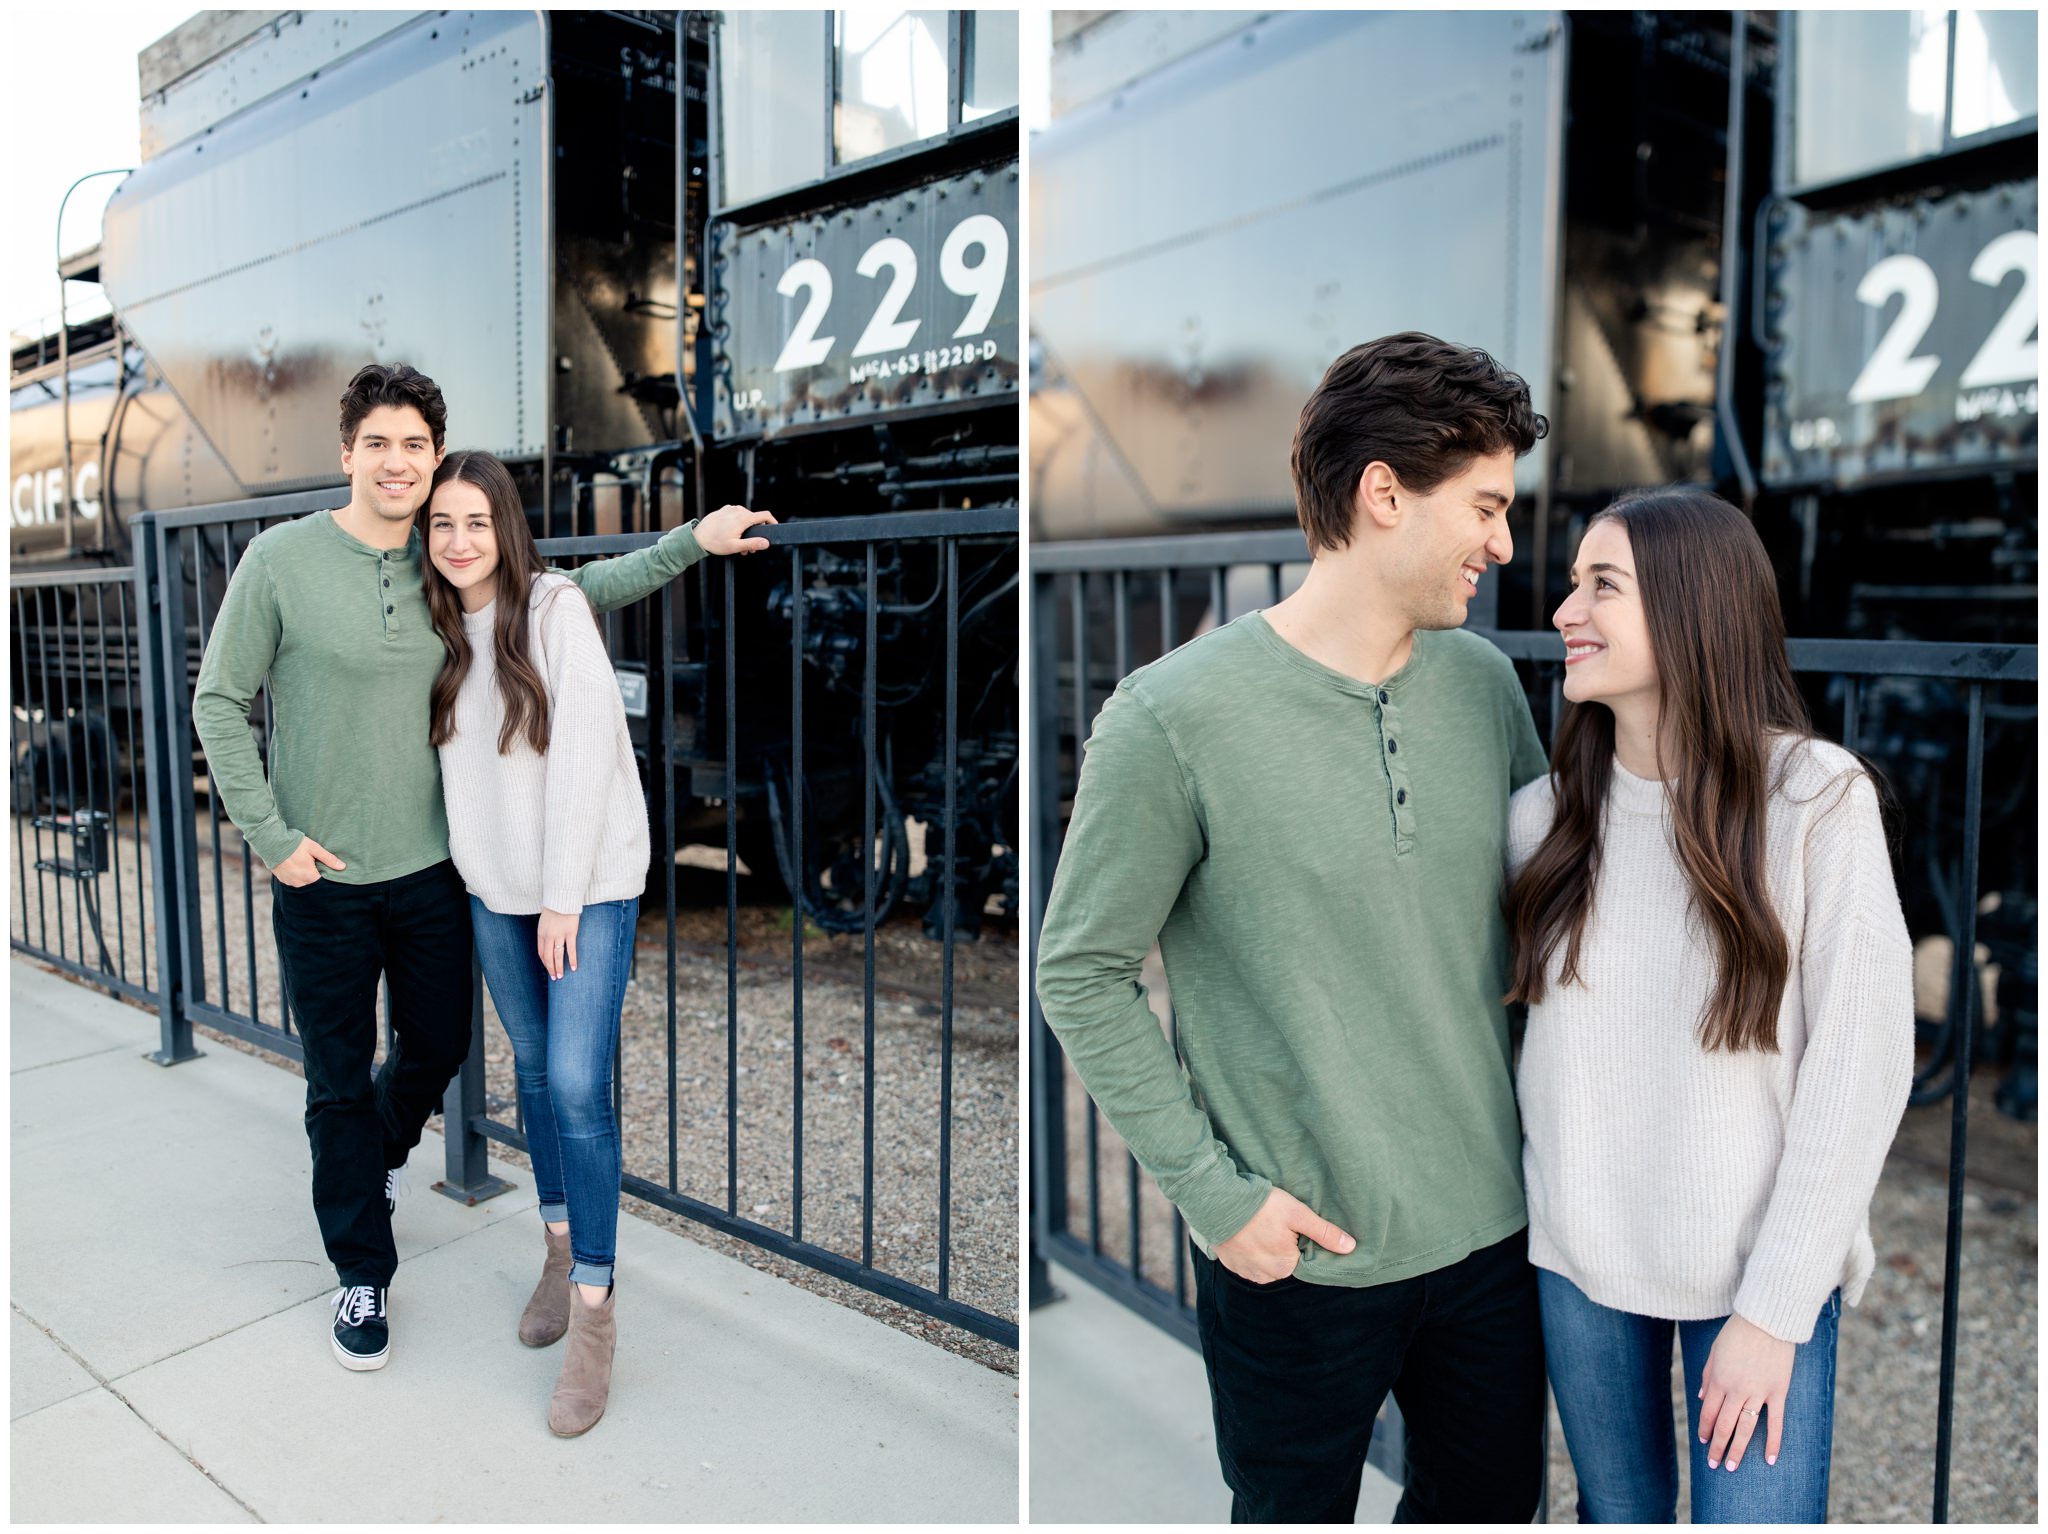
1889	1350
983	1263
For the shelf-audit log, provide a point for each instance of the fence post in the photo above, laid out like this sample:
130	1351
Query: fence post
1047	1103
469	1179
155	604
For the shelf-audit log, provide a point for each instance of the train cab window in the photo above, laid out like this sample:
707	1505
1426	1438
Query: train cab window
892	77
1869	90
991	85
1997	71
773	94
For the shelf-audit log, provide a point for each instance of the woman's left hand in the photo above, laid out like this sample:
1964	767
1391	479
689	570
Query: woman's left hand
1748	1373
724	531
556	940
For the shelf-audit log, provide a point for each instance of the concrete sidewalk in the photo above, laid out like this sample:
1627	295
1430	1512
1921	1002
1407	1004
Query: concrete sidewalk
1121	1430
171	1362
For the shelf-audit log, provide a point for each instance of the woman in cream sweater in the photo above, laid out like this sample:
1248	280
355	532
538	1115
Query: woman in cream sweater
1720	1035
547	826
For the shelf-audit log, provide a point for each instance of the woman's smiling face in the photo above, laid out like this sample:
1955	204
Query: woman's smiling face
462	541
1606	632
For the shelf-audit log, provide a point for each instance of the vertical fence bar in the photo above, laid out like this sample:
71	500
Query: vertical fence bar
99	594
867	801
668	844
1079	619
1169	636
220	909
53	721
1963	1012
1120	664
91	886
797	899
248	873
732	899
167	753
16	778
35	830
1852	698
947	918
71	737
135	681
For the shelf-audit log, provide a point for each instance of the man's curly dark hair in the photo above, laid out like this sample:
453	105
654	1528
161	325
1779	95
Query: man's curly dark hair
1425	408
396	385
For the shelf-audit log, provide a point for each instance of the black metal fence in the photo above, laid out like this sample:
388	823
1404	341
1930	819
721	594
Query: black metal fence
106	801
1102	609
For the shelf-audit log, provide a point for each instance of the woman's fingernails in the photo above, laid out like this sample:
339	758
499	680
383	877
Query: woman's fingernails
1770	1459
1713	1464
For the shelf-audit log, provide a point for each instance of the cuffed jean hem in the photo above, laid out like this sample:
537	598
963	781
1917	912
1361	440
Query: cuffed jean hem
597	1275
555	1214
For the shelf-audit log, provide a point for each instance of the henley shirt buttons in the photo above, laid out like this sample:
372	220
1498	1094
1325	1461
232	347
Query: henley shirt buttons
1400	796
388	611
1383	697
1392	744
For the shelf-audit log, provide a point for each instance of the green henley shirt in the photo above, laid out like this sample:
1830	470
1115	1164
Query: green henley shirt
341	631
1319	860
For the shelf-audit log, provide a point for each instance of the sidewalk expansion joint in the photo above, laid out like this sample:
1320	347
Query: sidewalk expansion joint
91	1054
108	1386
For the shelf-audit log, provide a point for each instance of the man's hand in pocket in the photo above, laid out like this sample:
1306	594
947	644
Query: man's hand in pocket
1268	1249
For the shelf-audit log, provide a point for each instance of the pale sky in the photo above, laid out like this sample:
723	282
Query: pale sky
73	107
1034	68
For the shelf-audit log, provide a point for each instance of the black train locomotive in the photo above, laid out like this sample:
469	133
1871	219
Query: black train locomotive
658	262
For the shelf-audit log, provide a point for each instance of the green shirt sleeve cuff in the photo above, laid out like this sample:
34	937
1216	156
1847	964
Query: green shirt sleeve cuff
273	844
1224	1205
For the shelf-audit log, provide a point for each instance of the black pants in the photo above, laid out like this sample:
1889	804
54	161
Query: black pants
1298	1371
333	941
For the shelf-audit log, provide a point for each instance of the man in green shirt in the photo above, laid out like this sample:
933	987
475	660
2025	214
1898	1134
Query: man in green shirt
329	610
1306	809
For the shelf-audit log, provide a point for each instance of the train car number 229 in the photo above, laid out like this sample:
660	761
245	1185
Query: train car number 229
896	304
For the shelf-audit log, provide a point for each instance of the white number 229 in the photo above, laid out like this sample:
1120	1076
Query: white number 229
885	332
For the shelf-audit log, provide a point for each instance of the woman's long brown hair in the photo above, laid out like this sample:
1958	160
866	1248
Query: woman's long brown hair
1718	634
519	680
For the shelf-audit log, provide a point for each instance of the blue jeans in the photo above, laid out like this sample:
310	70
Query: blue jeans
564	1033
1611	1374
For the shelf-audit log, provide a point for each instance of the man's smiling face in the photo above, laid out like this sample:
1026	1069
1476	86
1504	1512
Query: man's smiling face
1450	539
390	465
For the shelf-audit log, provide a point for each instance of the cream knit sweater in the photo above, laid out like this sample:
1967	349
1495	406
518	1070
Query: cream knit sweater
560	831
1667	1181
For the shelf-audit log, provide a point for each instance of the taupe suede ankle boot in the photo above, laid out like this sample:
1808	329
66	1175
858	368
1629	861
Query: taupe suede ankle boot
546	1315
586	1378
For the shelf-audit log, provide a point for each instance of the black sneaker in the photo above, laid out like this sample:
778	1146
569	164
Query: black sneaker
395	1183
362	1327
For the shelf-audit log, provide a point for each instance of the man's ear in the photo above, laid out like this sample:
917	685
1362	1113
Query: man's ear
1377	497
348	454
440	453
